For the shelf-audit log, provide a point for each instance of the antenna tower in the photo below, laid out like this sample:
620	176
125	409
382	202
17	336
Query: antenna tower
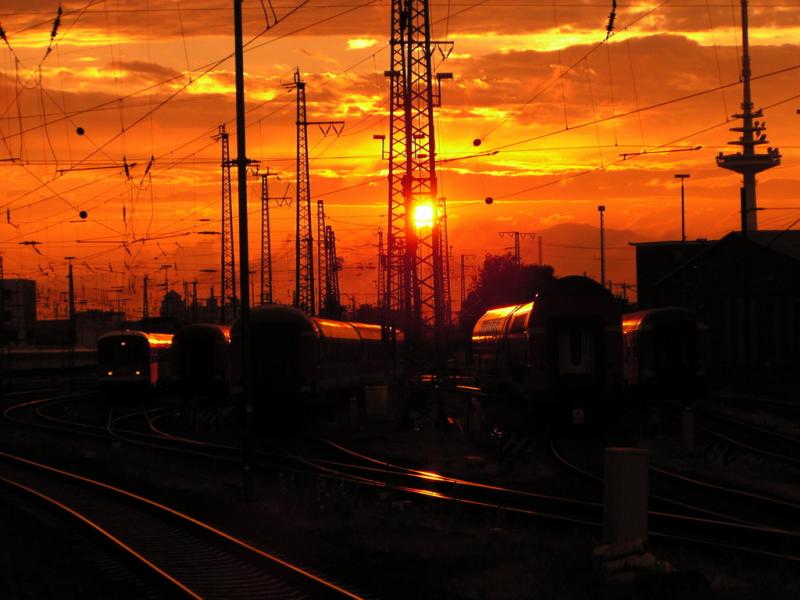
227	292
414	270
748	162
304	245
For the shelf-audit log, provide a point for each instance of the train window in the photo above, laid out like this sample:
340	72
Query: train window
575	351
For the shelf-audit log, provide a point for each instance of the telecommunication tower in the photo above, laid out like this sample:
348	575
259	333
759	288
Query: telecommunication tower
748	162
304	245
414	265
227	293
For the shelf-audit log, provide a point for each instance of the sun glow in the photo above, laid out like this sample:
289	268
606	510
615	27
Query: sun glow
423	215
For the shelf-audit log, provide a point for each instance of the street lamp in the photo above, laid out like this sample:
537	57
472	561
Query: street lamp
682	176
601	209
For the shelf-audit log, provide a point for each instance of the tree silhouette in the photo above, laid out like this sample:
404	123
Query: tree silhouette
502	282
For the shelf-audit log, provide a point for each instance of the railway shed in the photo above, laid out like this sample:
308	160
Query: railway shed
745	288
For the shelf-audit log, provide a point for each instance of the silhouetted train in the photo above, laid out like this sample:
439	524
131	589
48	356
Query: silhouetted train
301	362
664	351
557	357
133	360
201	362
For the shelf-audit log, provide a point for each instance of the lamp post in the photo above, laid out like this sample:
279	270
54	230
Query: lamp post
601	209
682	176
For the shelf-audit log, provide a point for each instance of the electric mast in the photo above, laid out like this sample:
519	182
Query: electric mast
304	244
227	293
322	260
414	265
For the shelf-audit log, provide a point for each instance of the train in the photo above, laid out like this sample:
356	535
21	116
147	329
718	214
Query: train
201	363
302	363
664	351
130	360
557	357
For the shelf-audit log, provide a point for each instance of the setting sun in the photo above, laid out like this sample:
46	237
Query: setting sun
423	216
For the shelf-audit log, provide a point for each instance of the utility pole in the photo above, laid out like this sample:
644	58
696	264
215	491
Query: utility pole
227	292
748	162
682	176
517	235
72	328
194	302
166	269
185	298
304	244
244	260
145	299
464	279
541	260
602	209
3	366
414	252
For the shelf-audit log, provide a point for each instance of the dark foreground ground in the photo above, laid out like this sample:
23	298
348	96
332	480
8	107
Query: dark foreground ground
382	544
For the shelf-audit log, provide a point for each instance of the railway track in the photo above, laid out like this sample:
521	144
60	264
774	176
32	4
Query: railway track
751	438
187	556
725	531
693	524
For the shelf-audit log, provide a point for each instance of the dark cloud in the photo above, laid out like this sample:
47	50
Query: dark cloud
152	71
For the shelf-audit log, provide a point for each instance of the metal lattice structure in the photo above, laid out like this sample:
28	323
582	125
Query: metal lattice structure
333	299
414	265
381	272
447	298
266	243
322	259
145	300
227	293
304	245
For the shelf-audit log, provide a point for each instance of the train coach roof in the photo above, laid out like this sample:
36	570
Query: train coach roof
278	313
154	339
644	318
197	331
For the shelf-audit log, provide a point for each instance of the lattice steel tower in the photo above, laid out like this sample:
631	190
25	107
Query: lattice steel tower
333	299
322	259
748	162
414	265
304	245
227	293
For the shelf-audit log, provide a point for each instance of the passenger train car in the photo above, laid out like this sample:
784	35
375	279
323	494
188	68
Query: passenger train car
558	357
302	362
201	362
133	360
664	351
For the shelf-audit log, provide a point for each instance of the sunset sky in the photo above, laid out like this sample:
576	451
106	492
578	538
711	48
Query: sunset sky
554	103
